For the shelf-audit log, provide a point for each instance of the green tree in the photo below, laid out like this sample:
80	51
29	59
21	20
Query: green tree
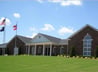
73	52
96	52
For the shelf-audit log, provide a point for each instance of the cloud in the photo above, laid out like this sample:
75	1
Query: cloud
40	1
64	30
16	15
8	22
71	2
48	27
64	2
33	29
55	1
33	35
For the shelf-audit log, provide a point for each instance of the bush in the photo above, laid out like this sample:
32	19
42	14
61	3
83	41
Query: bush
73	52
96	52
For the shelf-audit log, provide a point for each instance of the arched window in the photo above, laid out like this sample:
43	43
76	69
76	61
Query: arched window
87	45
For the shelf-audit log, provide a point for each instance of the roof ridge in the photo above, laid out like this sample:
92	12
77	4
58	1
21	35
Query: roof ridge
87	25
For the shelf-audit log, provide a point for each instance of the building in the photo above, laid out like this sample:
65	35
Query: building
84	41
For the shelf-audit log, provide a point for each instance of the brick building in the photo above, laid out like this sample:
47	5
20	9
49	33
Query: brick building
84	41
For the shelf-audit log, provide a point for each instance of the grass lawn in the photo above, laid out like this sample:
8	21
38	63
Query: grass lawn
46	64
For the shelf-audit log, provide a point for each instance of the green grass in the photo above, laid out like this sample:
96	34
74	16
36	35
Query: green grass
46	64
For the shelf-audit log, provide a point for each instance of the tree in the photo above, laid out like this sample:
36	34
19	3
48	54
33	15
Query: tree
96	52
73	52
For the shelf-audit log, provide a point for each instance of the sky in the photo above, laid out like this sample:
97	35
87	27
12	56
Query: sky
58	18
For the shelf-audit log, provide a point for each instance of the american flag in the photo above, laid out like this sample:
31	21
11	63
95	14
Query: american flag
3	22
15	27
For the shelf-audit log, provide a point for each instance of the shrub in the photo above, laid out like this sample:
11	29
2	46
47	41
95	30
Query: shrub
73	52
96	52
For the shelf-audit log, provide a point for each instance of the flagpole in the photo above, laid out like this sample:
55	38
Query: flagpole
16	38
4	36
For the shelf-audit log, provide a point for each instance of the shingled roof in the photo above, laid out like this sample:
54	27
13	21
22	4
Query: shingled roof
24	39
3	45
63	42
51	38
30	40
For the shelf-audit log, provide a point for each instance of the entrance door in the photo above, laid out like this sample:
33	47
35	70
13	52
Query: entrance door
47	51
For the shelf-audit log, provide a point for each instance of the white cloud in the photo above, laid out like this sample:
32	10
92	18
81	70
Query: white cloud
40	1
33	35
64	2
7	22
47	27
64	30
55	1
71	2
33	29
16	15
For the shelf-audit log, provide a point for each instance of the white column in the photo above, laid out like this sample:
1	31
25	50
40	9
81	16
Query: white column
35	50
50	49
29	50
43	49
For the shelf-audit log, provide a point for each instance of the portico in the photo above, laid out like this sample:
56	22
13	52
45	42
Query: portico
45	49
40	49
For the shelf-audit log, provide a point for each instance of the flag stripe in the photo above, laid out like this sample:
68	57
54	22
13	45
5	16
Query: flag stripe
3	22
15	27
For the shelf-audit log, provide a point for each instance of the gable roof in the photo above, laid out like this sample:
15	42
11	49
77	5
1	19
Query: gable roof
86	26
51	38
22	38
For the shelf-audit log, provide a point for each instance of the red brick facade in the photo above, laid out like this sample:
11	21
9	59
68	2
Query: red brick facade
77	40
19	44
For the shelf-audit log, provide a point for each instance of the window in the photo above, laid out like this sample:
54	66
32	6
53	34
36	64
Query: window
87	44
